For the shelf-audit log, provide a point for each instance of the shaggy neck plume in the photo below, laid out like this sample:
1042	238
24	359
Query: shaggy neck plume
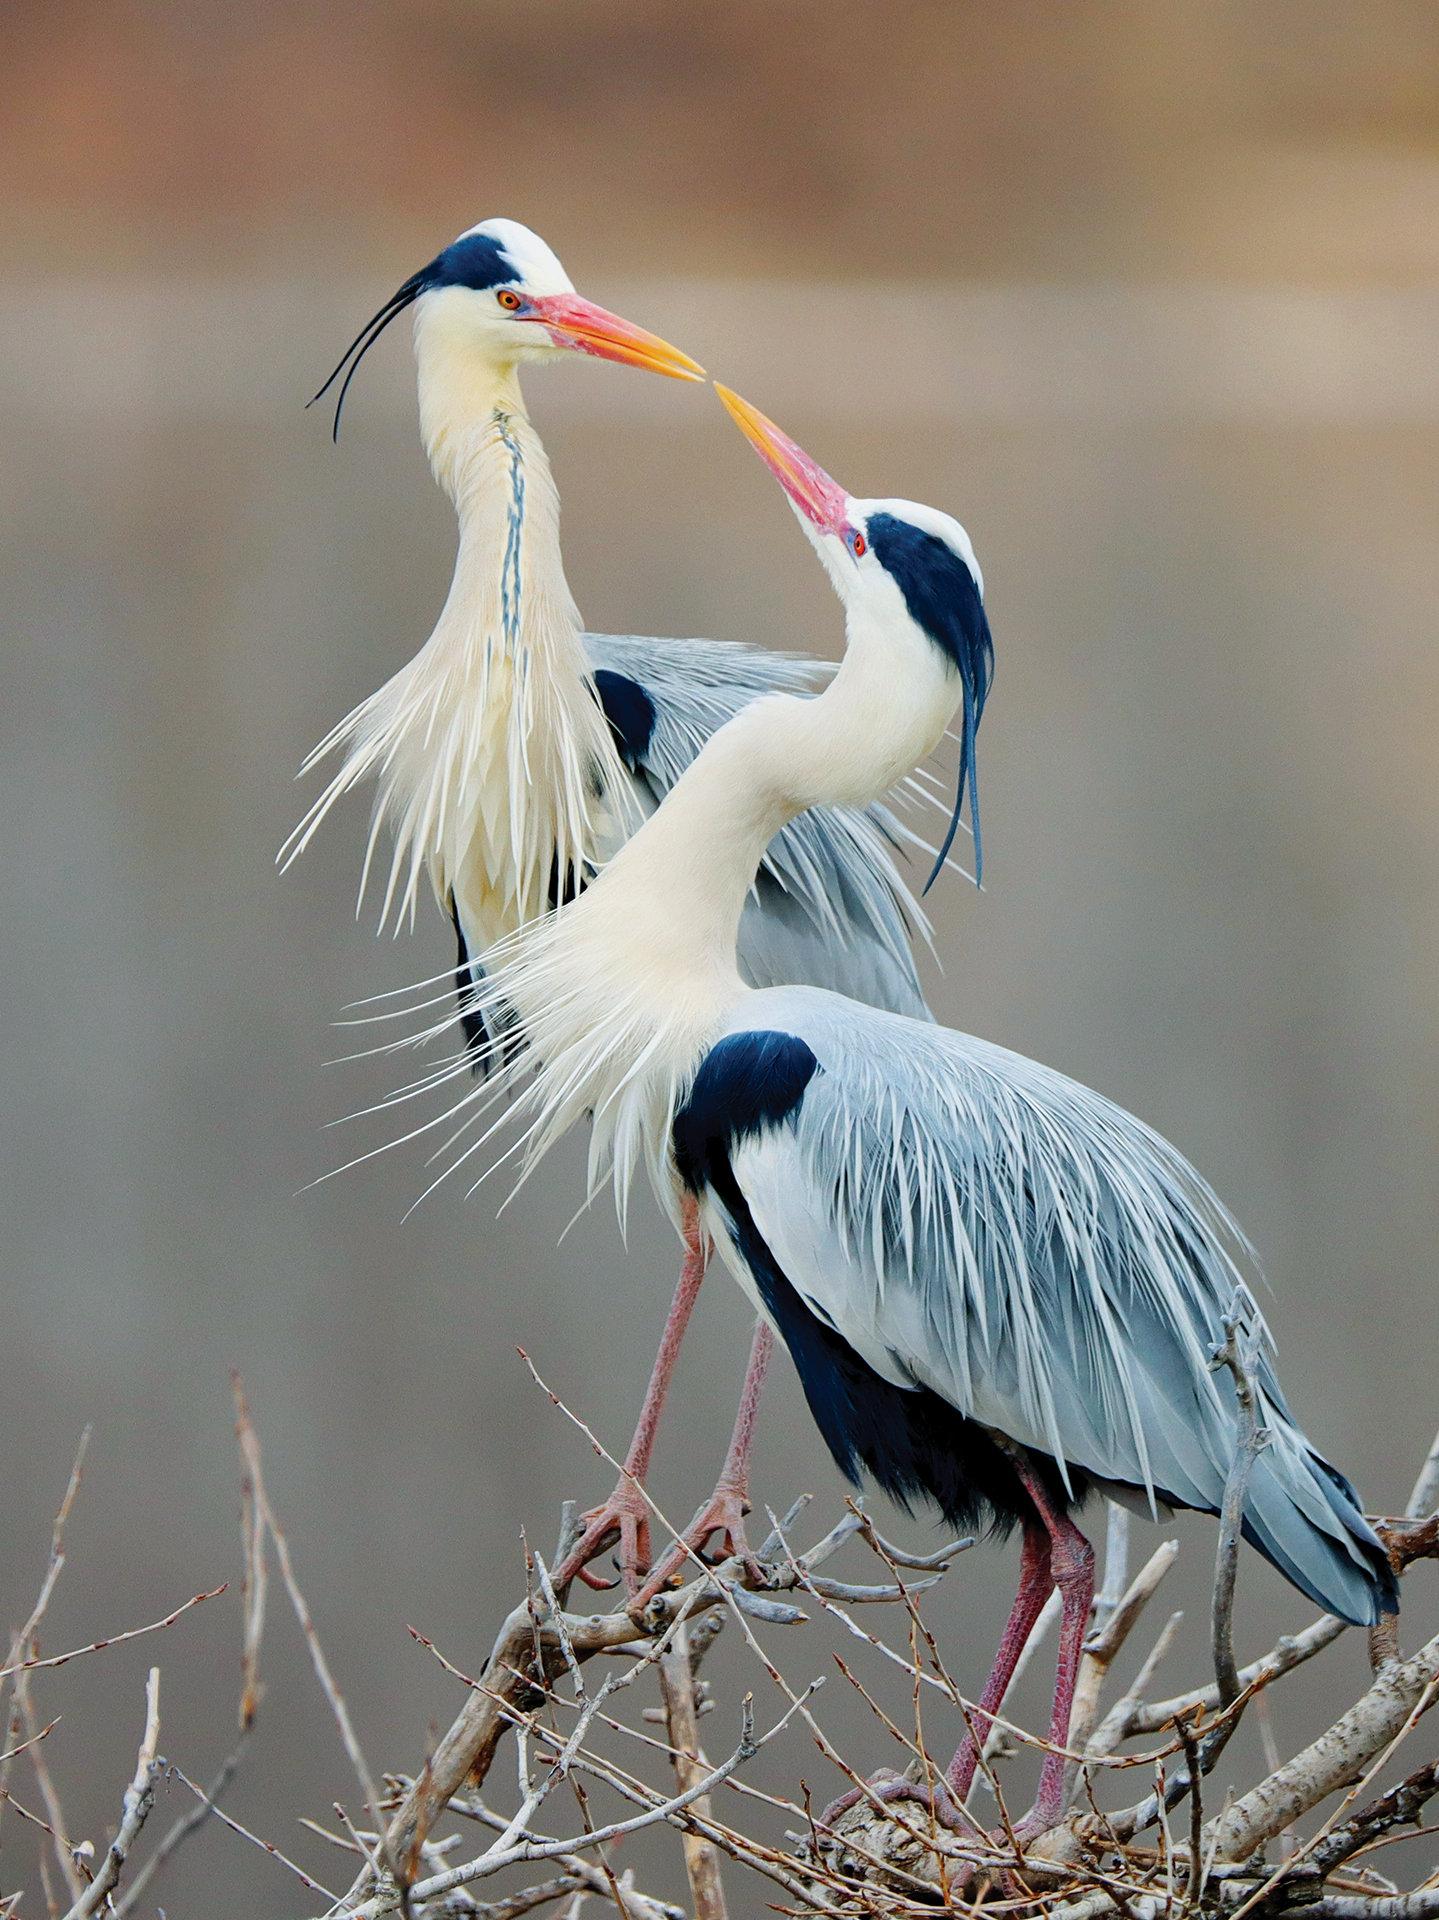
621	993
493	760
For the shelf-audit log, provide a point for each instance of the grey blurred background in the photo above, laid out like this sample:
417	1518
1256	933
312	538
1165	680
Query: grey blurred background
1146	294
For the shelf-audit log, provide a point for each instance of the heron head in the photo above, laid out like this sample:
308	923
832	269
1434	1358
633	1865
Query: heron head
499	292
895	560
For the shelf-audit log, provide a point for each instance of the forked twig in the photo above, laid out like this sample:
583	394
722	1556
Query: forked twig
265	1512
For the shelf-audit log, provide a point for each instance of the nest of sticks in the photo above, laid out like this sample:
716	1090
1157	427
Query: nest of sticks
599	1760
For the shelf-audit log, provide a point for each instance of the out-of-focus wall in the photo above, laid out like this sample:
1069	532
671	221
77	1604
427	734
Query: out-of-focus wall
1146	294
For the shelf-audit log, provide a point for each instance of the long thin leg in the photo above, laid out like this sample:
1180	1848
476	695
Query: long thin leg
1036	1583
724	1511
1072	1564
1056	1554
626	1512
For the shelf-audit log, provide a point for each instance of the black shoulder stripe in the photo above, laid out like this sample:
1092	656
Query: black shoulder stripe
630	712
746	1083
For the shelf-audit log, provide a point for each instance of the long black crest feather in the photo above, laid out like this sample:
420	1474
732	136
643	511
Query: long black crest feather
943	595
403	297
968	774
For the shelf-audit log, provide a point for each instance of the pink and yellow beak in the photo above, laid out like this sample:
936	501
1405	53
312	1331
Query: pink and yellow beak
820	499
573	322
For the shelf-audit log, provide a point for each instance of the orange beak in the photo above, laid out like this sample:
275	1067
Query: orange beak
820	499
573	322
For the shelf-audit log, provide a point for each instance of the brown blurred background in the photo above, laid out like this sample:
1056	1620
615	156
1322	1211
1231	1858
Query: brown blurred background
1146	293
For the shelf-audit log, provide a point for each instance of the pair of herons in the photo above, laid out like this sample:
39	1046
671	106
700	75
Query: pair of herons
679	918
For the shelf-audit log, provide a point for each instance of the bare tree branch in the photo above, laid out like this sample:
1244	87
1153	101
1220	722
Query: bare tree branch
1337	1759
139	1798
114	1639
677	1683
264	1512
1240	1354
1425	1497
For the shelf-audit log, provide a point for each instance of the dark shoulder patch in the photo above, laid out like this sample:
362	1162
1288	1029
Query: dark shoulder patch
467	977
630	712
477	261
746	1083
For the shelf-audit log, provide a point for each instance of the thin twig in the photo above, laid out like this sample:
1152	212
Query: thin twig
22	1712
139	1798
250	1449
66	1857
265	1846
33	1740
1240	1354
114	1639
188	1823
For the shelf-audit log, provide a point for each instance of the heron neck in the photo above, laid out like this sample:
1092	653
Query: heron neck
684	878
492	750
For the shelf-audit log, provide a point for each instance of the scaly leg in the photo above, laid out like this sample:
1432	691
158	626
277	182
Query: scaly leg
1036	1583
1035	1586
626	1513
1072	1564
723	1513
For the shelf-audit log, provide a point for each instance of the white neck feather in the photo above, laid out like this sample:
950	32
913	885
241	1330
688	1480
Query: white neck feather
622	992
492	758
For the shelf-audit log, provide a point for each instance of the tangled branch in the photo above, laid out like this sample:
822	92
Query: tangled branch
599	1762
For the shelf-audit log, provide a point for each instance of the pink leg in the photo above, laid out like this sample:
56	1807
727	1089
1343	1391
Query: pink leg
1056	1554
1036	1583
1035	1586
1072	1563
723	1513
626	1513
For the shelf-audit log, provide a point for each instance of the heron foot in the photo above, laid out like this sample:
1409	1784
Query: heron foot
723	1514
887	1787
940	1803
624	1517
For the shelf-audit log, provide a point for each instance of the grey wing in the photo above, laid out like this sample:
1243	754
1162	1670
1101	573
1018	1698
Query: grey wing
829	907
978	1224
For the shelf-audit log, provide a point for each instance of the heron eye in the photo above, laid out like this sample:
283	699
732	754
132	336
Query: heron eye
510	300
857	545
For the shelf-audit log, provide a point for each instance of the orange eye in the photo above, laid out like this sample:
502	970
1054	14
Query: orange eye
510	300
860	543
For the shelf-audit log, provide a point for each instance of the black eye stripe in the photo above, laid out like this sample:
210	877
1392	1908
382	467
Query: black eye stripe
477	261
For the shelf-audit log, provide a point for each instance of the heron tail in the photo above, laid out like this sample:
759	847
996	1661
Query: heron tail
1305	1518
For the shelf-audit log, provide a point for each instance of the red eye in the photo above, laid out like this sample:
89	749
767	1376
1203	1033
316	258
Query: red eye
860	544
510	300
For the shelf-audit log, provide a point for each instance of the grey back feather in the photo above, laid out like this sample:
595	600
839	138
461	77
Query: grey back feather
982	1225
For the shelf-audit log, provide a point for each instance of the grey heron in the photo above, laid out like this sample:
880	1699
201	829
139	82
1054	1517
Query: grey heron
1000	1290
516	751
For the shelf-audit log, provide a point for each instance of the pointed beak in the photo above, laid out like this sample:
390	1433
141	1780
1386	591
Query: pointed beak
820	499
572	322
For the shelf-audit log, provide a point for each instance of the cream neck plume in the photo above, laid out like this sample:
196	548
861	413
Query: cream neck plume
618	995
491	756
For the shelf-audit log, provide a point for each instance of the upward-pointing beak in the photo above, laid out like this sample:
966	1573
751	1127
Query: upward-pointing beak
573	322
820	499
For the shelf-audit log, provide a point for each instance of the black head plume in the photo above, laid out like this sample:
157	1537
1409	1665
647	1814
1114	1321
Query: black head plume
403	297
944	601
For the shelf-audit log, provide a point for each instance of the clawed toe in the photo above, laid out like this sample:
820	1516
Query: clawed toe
721	1519
623	1518
889	1787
